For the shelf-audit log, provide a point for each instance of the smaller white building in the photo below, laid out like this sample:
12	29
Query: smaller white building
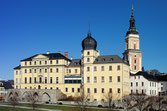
144	83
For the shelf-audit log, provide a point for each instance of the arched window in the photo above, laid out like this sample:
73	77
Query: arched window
40	80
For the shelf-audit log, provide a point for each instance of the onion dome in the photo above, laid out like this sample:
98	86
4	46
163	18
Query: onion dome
132	28
89	43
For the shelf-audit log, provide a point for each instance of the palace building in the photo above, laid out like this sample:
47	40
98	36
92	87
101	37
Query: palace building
97	74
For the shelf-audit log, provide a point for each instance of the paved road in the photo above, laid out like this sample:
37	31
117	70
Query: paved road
42	109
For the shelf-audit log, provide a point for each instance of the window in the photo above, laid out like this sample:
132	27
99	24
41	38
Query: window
30	80
102	68
35	80
88	68
161	88
136	91
16	72
131	84
110	68
134	46
110	78
35	70
78	89
69	70
118	67
40	80
131	91
45	62
110	90
25	80
30	63
138	77
88	53
25	70
135	67
35	62
57	69
45	79
102	79
50	87
57	80
29	70
50	79
135	77
88	59
95	79
16	80
76	71
95	68
40	62
25	63
57	61
119	90
95	90
66	89
135	61
88	90
50	62
142	83
102	90
50	70
72	89
118	79
136	83
142	91
88	79
40	70
45	70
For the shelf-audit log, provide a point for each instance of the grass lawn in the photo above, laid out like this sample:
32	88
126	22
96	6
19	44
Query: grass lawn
63	108
2	108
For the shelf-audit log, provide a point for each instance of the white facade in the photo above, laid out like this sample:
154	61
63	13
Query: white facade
141	84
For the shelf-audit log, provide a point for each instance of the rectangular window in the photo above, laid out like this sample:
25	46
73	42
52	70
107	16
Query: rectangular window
135	61
35	62
88	90
25	70
50	79
57	61
110	90
119	91
16	72
57	80
45	70
40	62
95	68
45	79
102	79
66	89
50	62
131	91
95	90
118	68
76	71
25	80
45	62
88	69
137	91
25	63
110	68
35	70
35	80
69	70
29	70
102	90
118	78
50	70
142	83
30	80
88	79
88	59
142	91
72	89
136	83
40	70
95	79
131	84
110	78
102	68
78	89
57	70
135	67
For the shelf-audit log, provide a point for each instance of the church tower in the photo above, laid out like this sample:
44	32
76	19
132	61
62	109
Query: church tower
132	53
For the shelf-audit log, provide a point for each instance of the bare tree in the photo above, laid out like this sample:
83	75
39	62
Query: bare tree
127	101
33	97
111	99
13	98
139	101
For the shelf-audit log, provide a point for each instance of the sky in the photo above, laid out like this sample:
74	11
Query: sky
29	27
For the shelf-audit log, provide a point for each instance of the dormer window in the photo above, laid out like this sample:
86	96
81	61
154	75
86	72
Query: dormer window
103	59
96	59
111	59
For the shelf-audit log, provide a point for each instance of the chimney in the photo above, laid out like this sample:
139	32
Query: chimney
58	52
66	54
48	52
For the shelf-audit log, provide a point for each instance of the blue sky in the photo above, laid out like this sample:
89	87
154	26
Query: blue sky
29	27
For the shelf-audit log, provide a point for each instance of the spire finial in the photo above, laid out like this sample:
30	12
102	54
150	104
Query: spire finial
89	32
132	11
